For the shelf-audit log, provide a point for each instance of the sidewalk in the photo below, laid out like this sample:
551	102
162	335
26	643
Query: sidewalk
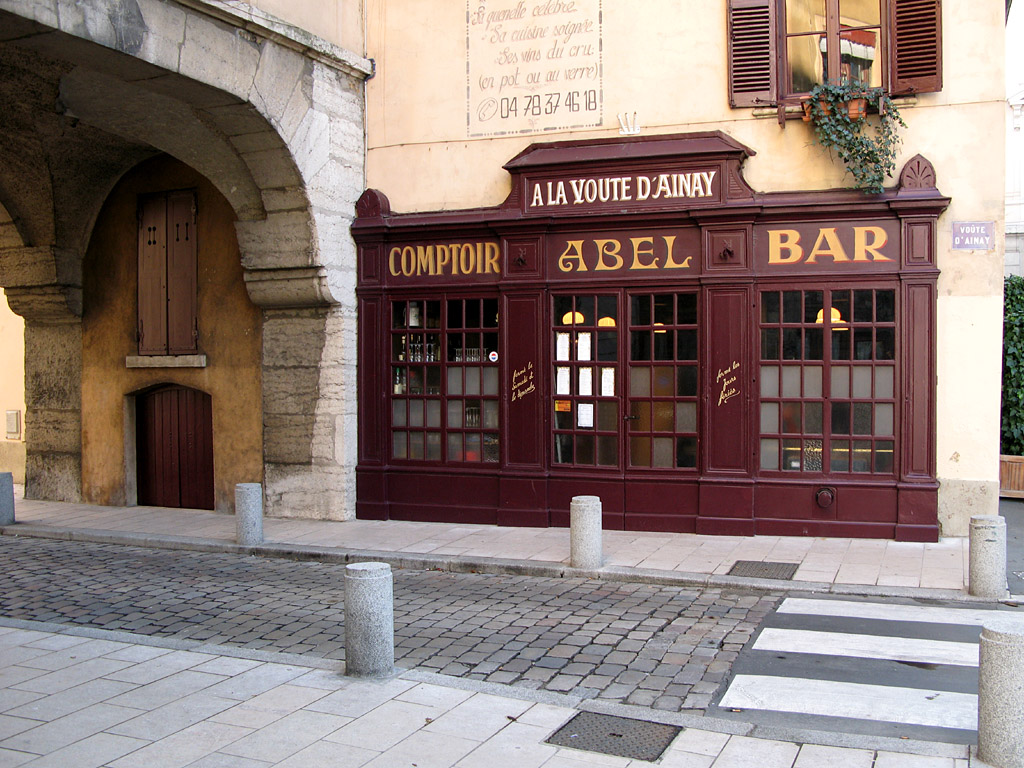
843	566
90	698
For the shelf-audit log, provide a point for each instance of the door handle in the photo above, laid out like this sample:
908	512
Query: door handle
630	418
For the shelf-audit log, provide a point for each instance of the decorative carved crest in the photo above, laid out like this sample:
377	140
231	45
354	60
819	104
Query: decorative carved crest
372	204
918	173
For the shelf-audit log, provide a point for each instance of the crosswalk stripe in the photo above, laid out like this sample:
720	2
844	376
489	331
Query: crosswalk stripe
853	609
910	706
868	646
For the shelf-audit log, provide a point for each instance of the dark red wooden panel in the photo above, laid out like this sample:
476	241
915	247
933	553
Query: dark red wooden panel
525	372
372	394
175	448
918	375
152	294
182	328
726	381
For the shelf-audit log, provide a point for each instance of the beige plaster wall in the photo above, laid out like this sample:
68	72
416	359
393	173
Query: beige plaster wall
12	386
665	60
339	21
229	335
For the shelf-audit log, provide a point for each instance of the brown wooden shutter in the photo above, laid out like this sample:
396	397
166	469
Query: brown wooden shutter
752	64
152	327
181	274
916	42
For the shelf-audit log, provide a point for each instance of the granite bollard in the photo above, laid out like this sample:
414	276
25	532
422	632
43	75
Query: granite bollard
987	568
1001	692
6	498
585	532
369	620
249	514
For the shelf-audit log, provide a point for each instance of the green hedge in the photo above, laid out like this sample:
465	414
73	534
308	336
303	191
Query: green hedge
1011	441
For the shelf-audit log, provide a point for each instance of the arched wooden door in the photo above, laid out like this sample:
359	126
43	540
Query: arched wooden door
174	429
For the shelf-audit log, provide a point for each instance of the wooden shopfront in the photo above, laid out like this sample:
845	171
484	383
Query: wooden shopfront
634	322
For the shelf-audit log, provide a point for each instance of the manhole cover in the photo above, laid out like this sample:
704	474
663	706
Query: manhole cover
620	736
763	570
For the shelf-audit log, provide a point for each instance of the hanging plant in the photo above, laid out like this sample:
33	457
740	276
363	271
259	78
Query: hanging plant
839	114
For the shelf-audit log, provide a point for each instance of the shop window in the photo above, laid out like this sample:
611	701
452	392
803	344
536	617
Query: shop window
585	402
779	49
444	380
167	323
663	380
828	381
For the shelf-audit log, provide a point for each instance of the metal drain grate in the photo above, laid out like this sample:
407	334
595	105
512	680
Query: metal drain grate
764	570
619	736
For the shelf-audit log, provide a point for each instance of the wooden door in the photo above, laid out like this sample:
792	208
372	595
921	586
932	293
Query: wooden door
175	448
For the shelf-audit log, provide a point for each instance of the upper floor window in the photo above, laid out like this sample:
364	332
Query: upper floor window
167	321
780	49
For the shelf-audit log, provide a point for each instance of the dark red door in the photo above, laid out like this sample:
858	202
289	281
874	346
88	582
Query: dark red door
175	448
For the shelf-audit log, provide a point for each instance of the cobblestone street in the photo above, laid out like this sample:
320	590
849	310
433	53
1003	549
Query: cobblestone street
664	647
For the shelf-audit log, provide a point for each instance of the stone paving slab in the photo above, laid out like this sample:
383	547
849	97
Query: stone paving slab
441	723
837	564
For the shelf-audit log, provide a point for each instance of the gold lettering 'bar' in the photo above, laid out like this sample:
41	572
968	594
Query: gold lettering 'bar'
459	259
828	246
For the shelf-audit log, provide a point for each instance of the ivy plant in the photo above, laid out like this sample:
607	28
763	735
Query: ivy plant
866	147
1011	441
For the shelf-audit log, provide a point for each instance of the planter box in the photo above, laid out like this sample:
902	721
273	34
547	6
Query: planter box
855	108
1011	477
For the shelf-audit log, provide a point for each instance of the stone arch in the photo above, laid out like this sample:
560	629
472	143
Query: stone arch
272	116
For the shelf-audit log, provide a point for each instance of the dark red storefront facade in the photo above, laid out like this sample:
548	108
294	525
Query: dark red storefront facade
634	322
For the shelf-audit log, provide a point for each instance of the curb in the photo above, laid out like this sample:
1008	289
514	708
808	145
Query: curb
486	565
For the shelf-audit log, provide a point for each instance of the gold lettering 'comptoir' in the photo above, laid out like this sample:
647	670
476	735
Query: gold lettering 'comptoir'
784	245
480	258
649	252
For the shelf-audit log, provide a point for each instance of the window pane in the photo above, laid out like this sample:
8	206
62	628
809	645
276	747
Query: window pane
883	419
687	309
859	50
664	344
585	306
491	380
769	417
769	307
640	382
492	451
472	447
769	454
813	306
687	381
434	413
585	449
472	415
813	338
563	310
686	452
433	446
607	450
398	413
883	456
472	381
885	349
664	417
455	414
472	313
640	345
642	416
769	343
607	345
791	450
769	381
806	62
686	417
862	382
791	381
663	309
454	381
812	381
607	311
791	306
791	418
859	13
563	419
607	416
864	306
434	380
840	418
687	341
861	458
791	344
812	418
862	344
840	458
640	451
862	418
490	319
398	445
662	452
884	378
641	310
663	381
805	16
885	306
490	414
840	343
415	413
812	456
416	446
841	302
415	381
563	449
840	381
